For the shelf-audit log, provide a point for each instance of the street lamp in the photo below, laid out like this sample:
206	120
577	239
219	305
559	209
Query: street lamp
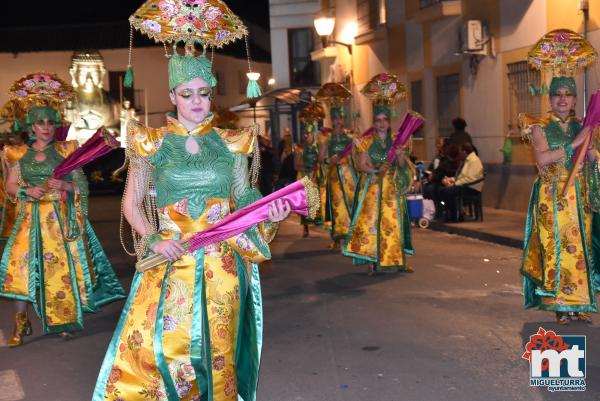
324	27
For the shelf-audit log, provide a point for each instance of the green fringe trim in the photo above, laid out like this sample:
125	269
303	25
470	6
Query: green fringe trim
128	80
253	90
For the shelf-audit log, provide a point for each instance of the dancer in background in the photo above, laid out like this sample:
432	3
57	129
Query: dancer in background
336	154
380	230
52	257
306	157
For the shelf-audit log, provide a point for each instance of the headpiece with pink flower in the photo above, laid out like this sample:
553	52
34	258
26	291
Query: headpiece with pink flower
208	23
40	89
384	89
562	52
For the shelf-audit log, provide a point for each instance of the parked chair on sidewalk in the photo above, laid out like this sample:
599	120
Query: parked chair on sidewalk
472	200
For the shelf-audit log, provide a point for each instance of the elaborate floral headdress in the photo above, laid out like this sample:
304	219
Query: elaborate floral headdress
561	53
384	90
335	95
42	94
311	115
208	23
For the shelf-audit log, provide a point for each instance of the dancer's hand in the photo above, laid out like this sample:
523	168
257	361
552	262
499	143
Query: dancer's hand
279	210
60	185
36	192
170	249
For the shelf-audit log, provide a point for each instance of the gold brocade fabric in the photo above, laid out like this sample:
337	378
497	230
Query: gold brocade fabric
135	374
339	212
557	240
377	234
59	292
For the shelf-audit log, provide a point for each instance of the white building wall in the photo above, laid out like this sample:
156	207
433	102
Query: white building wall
522	23
444	41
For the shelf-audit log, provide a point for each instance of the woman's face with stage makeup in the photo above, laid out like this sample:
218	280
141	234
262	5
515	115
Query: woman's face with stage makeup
44	130
192	100
563	101
381	122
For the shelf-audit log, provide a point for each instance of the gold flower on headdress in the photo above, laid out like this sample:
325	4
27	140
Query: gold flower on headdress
384	89
561	52
209	22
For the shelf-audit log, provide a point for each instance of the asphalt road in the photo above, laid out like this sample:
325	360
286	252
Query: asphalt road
453	330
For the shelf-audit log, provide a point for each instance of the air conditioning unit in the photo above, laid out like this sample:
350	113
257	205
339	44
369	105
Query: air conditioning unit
473	38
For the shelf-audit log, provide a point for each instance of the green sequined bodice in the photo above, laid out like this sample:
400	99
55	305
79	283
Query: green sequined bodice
337	143
37	172
379	149
557	137
178	174
309	156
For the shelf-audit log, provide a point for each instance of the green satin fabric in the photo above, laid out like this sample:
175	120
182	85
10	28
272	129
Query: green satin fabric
310	155
337	143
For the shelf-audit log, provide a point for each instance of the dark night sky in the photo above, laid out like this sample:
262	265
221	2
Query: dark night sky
70	11
101	24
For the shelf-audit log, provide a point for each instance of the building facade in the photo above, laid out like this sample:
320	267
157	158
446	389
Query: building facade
150	93
426	44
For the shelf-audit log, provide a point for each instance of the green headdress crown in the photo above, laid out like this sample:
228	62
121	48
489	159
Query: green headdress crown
187	67
384	90
39	113
563	82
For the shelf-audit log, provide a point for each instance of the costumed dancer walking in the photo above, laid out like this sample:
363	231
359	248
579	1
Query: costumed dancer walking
191	328
306	157
336	154
380	230
52	257
559	268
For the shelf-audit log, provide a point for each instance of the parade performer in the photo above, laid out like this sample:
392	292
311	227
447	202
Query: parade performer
559	273
191	328
336	154
380	230
306	157
17	136
52	257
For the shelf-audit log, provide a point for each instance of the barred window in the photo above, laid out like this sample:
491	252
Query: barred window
371	14
520	79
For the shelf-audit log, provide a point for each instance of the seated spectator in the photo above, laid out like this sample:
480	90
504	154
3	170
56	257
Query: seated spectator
468	180
445	165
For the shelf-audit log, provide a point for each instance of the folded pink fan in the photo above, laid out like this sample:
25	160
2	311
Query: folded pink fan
100	144
410	124
591	120
302	196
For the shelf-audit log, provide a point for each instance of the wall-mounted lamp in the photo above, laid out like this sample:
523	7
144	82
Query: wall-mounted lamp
271	81
324	26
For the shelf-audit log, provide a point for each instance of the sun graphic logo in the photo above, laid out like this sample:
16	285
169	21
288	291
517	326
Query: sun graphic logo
556	362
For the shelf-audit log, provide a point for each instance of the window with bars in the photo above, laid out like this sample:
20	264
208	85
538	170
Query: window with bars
520	100
448	102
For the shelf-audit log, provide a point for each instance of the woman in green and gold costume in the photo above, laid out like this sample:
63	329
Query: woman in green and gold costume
192	327
559	273
380	230
338	164
52	258
307	165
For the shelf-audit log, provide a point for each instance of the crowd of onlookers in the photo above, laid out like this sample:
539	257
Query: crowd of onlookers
455	172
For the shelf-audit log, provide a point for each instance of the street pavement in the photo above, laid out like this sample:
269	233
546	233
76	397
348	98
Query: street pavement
453	330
